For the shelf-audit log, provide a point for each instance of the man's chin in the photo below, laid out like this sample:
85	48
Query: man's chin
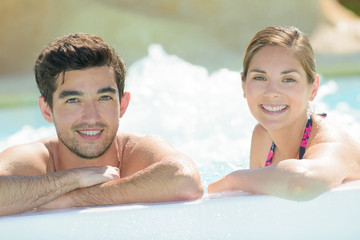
89	156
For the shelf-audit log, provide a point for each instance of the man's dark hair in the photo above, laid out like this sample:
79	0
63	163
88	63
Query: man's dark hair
75	52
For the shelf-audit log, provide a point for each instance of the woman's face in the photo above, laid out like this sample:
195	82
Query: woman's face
277	89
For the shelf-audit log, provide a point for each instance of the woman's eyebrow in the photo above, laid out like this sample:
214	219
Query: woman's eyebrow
283	72
290	71
257	71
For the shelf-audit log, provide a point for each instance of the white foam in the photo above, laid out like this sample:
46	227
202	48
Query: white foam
205	115
202	114
27	134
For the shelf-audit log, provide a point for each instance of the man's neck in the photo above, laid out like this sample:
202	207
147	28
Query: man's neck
65	159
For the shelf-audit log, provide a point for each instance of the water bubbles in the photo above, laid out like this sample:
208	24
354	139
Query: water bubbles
27	134
204	115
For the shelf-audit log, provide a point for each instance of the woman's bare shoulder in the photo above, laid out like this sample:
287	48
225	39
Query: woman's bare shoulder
328	131
334	145
260	146
260	135
335	139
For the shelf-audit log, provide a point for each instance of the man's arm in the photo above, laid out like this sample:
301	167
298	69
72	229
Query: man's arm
25	186
160	174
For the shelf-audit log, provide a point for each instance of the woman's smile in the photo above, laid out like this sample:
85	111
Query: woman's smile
273	109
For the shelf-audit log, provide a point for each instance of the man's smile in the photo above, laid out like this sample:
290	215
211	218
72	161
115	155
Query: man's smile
90	135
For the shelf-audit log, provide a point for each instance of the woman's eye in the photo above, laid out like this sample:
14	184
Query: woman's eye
72	100
289	80
259	78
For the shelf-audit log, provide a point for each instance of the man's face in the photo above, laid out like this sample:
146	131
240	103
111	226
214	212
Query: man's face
86	111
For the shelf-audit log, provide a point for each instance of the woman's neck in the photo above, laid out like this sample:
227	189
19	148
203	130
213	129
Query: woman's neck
288	140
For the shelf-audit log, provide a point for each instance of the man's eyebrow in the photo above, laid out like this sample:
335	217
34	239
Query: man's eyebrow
107	90
65	94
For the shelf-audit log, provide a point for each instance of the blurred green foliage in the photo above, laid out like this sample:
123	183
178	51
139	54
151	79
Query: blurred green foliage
353	5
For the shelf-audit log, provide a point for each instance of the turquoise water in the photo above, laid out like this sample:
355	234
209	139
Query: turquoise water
205	116
202	114
12	120
348	91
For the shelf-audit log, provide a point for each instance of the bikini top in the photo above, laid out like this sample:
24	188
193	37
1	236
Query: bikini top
302	145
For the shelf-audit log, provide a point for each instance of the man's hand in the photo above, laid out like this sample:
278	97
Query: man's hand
90	176
152	171
24	193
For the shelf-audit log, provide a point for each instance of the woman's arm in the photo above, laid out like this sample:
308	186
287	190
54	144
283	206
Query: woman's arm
300	180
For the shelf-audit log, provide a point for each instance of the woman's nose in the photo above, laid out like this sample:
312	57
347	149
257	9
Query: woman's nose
272	89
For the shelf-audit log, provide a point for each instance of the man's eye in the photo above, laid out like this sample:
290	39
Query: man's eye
72	100
105	98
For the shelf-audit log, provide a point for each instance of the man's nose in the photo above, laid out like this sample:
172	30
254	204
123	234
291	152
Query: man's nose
90	112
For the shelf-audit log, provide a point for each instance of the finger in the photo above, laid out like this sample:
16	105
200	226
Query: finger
112	172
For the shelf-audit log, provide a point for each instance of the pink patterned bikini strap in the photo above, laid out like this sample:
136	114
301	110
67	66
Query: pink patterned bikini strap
303	144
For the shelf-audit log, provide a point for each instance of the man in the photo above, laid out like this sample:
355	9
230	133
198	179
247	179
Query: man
81	80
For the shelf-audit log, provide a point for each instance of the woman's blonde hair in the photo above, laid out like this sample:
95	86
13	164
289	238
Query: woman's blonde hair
290	38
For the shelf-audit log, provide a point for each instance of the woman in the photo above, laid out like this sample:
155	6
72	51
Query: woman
279	79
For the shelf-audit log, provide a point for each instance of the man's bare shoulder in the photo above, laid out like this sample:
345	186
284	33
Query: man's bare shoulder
129	140
139	151
125	137
29	159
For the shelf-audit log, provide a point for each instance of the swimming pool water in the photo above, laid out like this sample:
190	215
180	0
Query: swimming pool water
347	91
204	115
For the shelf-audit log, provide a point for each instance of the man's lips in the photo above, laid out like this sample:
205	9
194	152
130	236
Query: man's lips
90	134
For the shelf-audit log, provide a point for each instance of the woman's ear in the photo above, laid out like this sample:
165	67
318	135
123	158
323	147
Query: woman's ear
45	110
315	88
125	99
243	84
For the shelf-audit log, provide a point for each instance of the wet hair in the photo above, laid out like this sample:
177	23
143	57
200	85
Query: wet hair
75	52
290	38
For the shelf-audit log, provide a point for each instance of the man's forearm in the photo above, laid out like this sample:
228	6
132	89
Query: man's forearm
19	193
24	193
161	182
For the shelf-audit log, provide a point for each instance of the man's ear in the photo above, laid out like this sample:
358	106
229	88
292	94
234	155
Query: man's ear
125	99
315	88
45	110
243	85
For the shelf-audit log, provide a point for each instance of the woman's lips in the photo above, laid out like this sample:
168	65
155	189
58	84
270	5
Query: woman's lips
274	108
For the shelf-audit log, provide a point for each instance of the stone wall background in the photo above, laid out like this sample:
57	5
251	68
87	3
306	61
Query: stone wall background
210	33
